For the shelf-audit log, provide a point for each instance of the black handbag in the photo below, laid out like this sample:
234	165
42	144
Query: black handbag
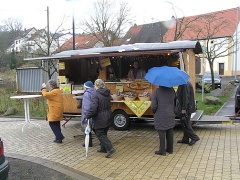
177	108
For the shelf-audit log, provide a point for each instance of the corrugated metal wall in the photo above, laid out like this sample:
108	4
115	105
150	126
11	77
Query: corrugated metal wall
29	80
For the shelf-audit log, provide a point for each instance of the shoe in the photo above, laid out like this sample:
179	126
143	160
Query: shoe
158	153
109	153
169	152
102	151
183	142
90	145
58	141
192	142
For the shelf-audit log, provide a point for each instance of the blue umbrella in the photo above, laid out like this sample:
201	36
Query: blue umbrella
166	76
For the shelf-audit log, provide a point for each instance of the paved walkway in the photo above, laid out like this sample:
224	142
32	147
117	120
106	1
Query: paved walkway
215	156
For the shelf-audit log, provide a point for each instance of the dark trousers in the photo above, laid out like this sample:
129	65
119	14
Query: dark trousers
56	129
102	137
163	136
187	129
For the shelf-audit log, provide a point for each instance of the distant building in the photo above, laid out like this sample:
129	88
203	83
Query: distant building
82	41
34	43
19	41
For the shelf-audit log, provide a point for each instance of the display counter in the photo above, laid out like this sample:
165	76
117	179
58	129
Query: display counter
70	104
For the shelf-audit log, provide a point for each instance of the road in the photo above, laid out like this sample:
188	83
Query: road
20	169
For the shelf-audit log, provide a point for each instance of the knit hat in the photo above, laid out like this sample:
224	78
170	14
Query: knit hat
88	84
99	83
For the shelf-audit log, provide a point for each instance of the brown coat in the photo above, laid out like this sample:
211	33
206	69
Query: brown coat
55	104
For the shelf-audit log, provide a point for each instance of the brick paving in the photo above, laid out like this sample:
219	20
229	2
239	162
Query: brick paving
215	156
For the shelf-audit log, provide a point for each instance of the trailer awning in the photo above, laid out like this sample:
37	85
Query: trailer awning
127	50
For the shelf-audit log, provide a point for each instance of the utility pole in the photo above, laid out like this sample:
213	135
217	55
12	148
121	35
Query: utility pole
236	45
203	70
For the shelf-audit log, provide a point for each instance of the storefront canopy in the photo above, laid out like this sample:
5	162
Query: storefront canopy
127	50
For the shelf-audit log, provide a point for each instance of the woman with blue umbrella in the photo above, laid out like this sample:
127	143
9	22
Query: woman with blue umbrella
162	106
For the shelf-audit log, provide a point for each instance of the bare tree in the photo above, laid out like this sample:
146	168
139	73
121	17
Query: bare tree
9	30
12	25
179	25
208	29
44	43
106	23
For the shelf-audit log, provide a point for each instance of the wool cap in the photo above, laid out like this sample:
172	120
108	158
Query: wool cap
88	84
99	83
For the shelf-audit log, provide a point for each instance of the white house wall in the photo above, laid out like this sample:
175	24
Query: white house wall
236	55
227	60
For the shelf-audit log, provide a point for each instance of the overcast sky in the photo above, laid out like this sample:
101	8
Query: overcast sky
33	12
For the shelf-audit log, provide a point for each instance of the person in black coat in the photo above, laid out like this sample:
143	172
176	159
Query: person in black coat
100	112
185	96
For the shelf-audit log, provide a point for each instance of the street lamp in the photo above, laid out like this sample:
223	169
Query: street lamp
73	26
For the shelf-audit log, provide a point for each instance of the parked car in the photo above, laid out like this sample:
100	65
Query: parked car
237	98
207	79
4	165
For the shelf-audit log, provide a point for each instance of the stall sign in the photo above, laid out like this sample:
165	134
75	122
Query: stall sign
105	62
62	79
119	88
66	88
61	65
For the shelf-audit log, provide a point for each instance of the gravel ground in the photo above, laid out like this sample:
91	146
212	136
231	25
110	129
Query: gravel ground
26	170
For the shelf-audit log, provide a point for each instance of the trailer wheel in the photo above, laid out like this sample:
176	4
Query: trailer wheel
120	120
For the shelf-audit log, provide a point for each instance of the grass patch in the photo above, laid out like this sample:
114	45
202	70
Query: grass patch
211	109
37	106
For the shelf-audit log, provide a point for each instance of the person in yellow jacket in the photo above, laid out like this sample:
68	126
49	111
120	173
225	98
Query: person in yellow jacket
55	108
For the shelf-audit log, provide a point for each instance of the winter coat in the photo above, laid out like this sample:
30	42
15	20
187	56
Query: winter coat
86	101
100	108
185	95
162	105
55	104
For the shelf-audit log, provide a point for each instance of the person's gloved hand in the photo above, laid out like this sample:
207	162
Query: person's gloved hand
43	85
85	121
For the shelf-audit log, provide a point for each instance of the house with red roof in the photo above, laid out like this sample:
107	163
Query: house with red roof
214	30
82	41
